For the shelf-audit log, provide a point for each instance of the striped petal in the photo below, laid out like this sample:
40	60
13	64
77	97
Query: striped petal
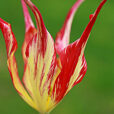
11	46
30	30
63	36
73	62
40	64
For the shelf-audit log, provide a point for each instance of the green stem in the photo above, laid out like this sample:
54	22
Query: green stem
44	113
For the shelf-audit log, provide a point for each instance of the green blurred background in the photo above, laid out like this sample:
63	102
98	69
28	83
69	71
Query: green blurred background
95	94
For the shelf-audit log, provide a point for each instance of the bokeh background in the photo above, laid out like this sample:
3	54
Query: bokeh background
95	94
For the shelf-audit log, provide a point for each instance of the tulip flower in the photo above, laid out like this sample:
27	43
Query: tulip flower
50	70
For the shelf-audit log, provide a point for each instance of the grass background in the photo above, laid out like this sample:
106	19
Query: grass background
95	94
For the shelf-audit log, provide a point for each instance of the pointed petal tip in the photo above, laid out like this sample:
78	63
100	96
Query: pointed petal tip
103	2
89	27
63	36
39	20
27	18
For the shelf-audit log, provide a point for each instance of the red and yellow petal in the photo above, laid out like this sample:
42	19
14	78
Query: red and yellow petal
11	46
40	64
73	62
63	36
30	30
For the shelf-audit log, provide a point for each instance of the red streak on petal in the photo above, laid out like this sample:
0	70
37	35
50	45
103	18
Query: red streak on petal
69	59
29	27
8	36
41	29
82	72
11	75
11	46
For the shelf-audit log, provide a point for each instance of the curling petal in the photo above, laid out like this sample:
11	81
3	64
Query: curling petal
63	36
73	62
11	46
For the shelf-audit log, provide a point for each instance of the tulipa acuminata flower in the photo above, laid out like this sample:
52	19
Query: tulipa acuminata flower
47	78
